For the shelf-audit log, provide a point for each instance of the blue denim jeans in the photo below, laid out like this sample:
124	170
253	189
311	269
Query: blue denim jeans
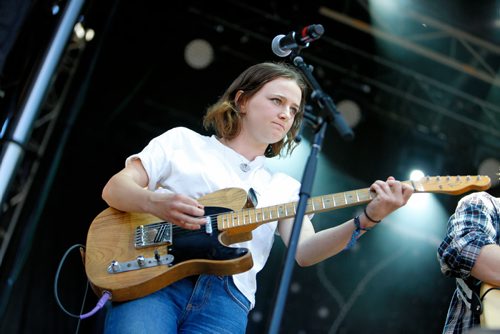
211	304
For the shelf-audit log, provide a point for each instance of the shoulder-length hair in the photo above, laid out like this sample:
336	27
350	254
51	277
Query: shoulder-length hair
223	116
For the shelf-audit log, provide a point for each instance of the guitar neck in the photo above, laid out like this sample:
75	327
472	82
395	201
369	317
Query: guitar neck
288	210
436	184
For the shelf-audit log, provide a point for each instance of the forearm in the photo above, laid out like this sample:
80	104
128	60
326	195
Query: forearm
487	265
329	242
316	247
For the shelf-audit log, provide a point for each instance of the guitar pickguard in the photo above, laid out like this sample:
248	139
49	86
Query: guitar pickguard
182	245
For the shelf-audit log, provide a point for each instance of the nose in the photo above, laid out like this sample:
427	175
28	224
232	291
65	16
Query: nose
286	113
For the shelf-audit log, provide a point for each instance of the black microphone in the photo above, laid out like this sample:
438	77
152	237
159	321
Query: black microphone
283	45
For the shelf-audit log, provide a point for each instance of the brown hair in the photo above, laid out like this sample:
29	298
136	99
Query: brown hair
223	116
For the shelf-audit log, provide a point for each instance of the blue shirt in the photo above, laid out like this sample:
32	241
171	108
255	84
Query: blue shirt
475	223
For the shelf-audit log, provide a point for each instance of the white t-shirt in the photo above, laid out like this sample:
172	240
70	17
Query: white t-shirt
185	162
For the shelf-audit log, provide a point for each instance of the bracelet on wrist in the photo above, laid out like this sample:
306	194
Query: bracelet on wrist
356	233
370	218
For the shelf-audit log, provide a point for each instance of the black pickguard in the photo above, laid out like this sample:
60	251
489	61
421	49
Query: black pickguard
197	244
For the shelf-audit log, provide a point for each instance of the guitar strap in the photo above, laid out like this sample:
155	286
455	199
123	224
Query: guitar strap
470	296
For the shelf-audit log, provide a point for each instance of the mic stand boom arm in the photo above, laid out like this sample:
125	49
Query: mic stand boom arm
329	115
324	101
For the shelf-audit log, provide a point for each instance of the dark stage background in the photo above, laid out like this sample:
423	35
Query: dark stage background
424	76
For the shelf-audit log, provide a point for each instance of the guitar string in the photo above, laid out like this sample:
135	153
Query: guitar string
181	231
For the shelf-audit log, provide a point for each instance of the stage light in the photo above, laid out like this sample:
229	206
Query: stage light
89	35
351	112
55	9
79	30
416	175
198	54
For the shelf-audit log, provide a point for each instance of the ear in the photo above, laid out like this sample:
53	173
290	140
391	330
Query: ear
238	103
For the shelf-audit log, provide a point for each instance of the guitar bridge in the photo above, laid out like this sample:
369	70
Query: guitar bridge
155	234
141	262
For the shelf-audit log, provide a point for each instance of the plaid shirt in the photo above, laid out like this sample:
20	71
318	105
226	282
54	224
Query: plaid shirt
474	224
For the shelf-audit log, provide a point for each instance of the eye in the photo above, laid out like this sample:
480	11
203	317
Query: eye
276	100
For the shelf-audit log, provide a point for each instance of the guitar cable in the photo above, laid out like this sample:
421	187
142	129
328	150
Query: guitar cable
100	304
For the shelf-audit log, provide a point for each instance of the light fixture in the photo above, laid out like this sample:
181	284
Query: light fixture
416	175
198	54
351	112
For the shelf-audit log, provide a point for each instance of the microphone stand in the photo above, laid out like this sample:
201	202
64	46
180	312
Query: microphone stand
329	114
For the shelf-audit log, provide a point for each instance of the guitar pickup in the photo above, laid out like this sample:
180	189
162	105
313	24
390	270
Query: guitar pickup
208	226
155	234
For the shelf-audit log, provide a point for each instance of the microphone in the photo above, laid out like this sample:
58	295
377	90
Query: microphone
282	45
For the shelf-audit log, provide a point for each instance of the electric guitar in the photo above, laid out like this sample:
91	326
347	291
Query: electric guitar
132	254
490	295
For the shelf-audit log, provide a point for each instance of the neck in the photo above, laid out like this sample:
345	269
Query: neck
244	148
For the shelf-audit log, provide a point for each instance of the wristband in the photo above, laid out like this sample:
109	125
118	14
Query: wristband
356	233
370	218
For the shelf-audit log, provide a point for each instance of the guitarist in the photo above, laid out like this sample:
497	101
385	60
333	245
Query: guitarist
256	118
470	252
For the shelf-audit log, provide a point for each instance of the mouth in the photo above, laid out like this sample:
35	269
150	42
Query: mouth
281	126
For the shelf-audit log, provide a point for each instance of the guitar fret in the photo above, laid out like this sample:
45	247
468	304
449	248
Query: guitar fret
367	195
340	199
349	198
333	201
259	216
264	211
327	203
320	202
281	212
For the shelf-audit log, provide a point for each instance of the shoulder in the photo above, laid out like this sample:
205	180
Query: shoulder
481	198
181	135
182	131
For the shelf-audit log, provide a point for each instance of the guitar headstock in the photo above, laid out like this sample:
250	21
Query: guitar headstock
453	185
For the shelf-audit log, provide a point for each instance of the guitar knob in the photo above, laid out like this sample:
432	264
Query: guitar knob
115	266
140	261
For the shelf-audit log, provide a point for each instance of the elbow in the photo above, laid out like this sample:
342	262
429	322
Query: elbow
106	194
304	261
303	264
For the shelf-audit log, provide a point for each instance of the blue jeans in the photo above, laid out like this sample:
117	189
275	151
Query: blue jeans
211	304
